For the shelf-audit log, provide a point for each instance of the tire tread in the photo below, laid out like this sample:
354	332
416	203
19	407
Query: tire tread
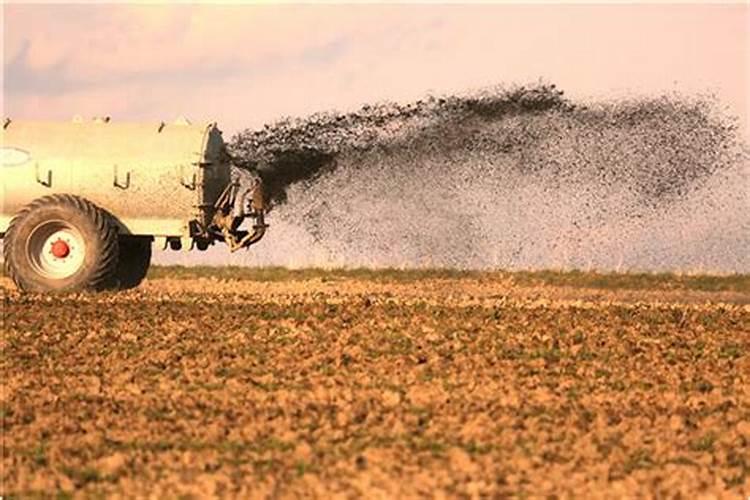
101	277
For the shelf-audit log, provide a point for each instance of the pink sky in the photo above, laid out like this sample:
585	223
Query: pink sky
243	65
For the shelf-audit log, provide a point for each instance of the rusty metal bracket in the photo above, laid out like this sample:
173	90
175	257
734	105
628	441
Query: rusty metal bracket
44	182
229	217
117	182
192	184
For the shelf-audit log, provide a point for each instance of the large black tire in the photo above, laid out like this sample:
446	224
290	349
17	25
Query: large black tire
135	257
86	233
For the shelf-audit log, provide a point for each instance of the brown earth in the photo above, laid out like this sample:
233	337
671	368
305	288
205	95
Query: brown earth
468	386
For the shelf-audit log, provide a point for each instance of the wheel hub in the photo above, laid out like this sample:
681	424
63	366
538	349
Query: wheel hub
60	249
56	249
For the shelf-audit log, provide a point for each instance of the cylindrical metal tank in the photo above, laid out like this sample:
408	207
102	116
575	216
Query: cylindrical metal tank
155	179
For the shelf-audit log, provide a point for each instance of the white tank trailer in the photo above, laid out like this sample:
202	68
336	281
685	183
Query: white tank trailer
82	202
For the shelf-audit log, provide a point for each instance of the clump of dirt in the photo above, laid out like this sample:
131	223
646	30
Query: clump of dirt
518	178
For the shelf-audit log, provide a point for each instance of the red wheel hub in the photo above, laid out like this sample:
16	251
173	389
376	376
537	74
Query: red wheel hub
60	249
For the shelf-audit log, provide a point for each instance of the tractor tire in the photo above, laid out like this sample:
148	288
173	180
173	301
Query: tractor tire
61	243
135	257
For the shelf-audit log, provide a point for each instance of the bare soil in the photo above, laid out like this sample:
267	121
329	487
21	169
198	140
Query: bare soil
352	385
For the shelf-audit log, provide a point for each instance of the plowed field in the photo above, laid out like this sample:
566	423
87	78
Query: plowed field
284	384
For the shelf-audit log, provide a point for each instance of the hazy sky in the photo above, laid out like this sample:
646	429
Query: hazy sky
243	65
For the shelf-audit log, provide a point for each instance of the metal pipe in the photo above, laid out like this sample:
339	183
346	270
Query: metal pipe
259	229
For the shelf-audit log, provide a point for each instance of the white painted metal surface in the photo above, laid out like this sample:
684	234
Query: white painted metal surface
155	179
56	249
